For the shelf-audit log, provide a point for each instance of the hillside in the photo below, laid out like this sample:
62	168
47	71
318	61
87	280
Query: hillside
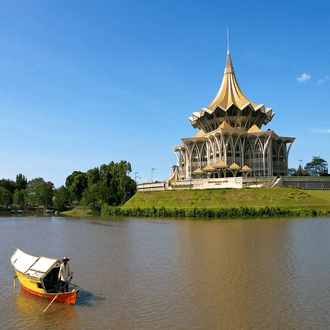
219	198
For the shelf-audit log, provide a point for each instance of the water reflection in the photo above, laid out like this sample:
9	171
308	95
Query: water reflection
240	273
30	313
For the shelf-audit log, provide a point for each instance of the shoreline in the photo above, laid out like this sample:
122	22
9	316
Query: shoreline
203	213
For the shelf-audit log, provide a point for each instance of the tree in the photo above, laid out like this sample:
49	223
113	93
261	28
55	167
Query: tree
5	196
62	196
93	176
78	182
8	184
94	196
21	181
292	171
19	197
317	167
38	192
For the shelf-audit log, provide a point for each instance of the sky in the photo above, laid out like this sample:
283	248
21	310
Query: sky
84	83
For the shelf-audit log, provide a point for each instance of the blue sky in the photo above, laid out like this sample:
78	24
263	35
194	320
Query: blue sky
83	83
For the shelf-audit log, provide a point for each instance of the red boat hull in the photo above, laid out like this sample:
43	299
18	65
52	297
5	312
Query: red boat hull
64	298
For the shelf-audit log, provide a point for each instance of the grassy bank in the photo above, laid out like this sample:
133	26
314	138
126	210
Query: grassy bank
224	203
77	212
284	197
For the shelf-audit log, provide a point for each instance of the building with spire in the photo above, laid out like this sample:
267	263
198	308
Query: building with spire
230	142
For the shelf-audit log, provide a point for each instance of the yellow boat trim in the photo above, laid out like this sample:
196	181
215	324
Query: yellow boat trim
29	282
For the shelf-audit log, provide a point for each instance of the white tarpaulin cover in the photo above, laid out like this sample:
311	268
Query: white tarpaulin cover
22	261
29	265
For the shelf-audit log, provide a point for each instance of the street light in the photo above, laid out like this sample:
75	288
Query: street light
302	163
152	171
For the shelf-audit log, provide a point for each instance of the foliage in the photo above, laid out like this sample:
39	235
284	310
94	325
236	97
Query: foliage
11	186
38	193
121	186
93	176
292	171
19	197
21	181
62	197
5	196
317	167
110	184
8	184
93	197
213	213
76	183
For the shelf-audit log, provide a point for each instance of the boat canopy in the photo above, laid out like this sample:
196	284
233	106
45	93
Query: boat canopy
33	266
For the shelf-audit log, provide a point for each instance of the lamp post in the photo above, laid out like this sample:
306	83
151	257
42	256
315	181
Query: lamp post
302	163
152	171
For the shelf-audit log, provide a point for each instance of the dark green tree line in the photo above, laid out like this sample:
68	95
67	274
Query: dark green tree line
109	184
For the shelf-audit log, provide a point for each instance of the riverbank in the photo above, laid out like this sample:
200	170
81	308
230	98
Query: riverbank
225	203
226	198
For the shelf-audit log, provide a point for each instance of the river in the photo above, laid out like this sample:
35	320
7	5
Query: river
174	274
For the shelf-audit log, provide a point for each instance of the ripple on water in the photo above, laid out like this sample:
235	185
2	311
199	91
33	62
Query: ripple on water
154	274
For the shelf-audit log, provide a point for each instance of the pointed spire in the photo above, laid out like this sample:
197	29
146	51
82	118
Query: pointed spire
227	41
229	65
230	92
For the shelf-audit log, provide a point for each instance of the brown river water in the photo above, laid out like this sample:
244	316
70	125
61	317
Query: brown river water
174	274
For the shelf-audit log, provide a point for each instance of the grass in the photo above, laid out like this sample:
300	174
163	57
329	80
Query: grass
78	212
219	198
287	198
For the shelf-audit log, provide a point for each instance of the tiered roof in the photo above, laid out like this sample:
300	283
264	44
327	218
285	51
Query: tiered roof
232	106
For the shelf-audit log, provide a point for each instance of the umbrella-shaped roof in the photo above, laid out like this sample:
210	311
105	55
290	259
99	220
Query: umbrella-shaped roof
198	171
208	168
220	164
234	166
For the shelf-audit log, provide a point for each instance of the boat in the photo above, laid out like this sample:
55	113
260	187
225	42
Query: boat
39	277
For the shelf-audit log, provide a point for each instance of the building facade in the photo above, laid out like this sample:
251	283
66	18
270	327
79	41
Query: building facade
230	142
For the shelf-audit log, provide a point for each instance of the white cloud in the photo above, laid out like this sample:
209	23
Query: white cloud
323	80
304	77
324	131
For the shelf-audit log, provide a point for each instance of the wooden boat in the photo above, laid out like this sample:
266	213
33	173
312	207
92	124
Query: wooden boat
39	277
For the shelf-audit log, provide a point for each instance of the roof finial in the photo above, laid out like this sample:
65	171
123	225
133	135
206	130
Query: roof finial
227	41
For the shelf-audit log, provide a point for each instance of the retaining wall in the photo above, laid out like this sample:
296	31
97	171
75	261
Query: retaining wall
307	183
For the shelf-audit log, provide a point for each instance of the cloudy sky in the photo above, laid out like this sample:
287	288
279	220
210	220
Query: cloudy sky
83	83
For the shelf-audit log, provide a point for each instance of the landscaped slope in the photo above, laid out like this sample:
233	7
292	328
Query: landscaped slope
282	197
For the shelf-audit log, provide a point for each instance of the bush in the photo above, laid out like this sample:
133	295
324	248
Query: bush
233	212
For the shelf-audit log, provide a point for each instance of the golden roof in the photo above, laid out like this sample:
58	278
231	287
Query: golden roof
246	168
254	129
234	166
230	92
225	125
220	164
198	171
201	133
208	168
230	95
